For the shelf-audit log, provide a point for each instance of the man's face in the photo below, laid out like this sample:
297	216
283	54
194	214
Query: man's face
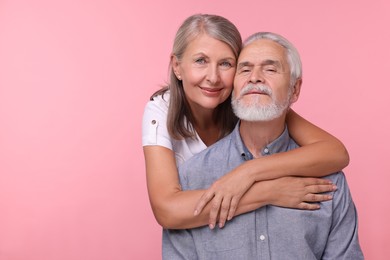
262	83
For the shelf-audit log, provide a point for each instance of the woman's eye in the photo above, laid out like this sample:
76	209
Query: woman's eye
226	64
200	61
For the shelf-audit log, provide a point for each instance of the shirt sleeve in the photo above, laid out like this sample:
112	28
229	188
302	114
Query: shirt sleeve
178	245
343	242
154	124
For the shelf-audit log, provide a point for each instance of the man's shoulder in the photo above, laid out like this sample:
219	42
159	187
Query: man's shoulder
337	177
342	195
213	153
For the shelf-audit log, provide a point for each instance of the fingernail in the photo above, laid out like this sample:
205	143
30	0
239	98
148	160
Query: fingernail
195	212
220	225
229	218
211	226
334	187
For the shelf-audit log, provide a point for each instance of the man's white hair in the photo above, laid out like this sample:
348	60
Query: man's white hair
293	57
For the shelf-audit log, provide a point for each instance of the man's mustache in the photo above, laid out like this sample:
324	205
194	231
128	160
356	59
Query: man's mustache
257	88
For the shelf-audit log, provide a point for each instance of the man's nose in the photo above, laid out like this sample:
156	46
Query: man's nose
256	76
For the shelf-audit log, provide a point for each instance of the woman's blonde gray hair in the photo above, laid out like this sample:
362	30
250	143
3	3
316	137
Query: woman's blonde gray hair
180	119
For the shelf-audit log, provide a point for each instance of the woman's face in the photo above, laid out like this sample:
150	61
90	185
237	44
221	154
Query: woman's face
207	70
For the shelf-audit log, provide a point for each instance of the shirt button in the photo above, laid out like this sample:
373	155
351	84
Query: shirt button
262	237
153	122
266	150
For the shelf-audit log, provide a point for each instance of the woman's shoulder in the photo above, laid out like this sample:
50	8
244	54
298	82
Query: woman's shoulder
156	109
160	101
154	123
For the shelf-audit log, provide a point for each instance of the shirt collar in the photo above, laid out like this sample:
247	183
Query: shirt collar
280	144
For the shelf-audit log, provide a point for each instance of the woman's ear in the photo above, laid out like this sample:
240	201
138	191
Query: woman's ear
176	66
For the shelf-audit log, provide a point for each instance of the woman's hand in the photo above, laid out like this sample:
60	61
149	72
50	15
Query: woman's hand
299	192
224	196
290	192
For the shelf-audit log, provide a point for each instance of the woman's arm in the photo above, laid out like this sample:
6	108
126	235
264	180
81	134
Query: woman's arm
174	208
321	154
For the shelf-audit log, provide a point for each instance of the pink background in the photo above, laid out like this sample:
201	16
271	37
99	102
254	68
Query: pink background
74	79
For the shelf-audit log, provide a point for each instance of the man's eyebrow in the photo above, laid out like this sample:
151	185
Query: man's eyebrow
263	63
244	64
272	62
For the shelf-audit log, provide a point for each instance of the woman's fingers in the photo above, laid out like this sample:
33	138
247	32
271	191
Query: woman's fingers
233	207
321	188
306	192
226	210
223	214
317	197
215	205
308	206
316	185
315	181
206	197
301	193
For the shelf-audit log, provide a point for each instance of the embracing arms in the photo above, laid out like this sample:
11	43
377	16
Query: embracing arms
320	154
174	208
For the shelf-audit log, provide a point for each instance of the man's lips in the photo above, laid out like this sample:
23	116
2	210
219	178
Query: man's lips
255	92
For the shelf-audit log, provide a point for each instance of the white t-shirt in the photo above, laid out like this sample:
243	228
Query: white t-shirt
155	131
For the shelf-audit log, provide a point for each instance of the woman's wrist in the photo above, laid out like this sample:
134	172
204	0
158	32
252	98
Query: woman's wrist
250	170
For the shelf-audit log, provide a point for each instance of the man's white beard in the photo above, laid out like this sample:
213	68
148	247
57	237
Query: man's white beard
254	110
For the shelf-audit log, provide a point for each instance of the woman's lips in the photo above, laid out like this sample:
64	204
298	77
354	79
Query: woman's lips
211	91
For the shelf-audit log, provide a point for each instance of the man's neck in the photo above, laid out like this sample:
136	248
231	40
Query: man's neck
257	135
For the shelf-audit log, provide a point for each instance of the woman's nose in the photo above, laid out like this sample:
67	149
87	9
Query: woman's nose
213	75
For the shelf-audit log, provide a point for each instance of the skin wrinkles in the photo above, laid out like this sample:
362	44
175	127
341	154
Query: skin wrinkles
207	69
247	64
265	64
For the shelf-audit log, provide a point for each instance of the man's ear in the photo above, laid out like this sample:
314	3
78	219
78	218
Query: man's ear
296	91
175	66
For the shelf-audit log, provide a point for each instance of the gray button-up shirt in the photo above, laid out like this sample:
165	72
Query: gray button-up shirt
269	232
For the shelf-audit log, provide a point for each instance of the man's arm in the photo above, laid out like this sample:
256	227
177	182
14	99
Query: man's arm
178	245
343	242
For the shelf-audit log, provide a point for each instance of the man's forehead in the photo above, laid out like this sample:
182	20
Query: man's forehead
262	49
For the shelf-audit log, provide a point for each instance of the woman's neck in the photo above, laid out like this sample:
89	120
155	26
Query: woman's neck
206	126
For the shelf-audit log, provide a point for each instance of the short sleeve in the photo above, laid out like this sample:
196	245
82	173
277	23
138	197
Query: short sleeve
154	123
